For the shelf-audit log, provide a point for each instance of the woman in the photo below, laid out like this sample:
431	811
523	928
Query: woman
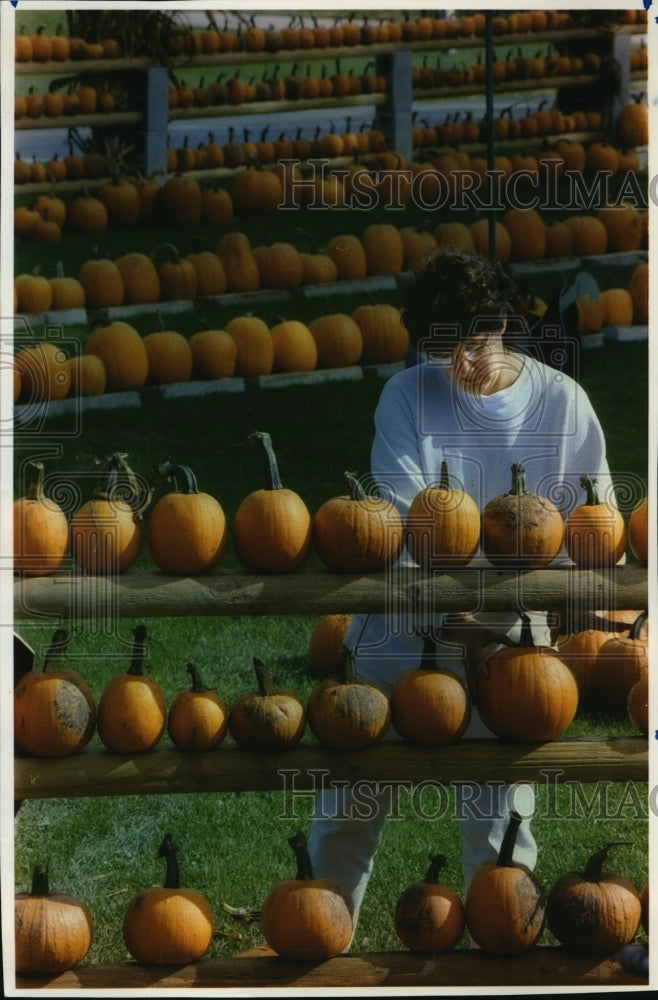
481	404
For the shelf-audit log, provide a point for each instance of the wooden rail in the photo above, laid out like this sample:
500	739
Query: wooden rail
166	771
310	592
542	966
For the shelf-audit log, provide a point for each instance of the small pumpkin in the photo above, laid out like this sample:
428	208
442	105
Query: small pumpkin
214	354
181	201
236	254
88	375
349	256
347	713
33	293
621	662
595	532
429	915
68	293
268	719
102	282
638	531
177	276
257	192
53	930
169	924
169	357
253	341
430	705
638	286
527	233
338	340
121	349
295	349
132	714
306	918
578	651
272	525
591	911
527	694
209	271
141	282
385	337
187	530
197	719
41	530
443	525
505	905
520	528
358	532
54	709
44	370
325	647
384	249
86	213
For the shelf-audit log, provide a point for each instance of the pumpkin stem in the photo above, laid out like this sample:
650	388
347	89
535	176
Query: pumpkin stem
57	647
347	666
505	856
636	628
444	483
40	885
35	486
181	475
357	491
526	639
519	487
197	684
594	867
167	851
119	482
139	651
437	862
428	656
590	485
265	685
271	467
304	866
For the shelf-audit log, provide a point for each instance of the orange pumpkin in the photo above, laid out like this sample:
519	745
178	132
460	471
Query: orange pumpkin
578	651
621	662
385	337
102	282
638	286
187	530
429	915
44	371
325	647
267	719
236	254
637	705
349	256
214	354
521	528
139	275
132	714
638	531
595	533
197	720
41	531
429	704
633	124
53	930
338	340
122	351
295	349
443	525
527	233
169	357
347	713
254	345
88	375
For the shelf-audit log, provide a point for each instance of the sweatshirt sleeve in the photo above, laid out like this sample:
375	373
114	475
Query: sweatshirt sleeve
396	458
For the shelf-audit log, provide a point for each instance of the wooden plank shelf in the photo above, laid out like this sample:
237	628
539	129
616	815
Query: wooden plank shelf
95	772
109	119
259	967
274	107
311	592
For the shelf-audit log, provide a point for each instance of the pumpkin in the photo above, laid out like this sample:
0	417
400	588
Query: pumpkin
210	273
527	233
68	293
317	268
49	206
54	709
279	265
590	312
33	293
443	525
102	282
595	532
169	357
349	256
347	713
253	341
638	531
644	900
358	532
621	662
453	236
637	705
559	240
41	531
481	235
214	354
216	206
590	237
53	930
169	924
325	647
86	213
429	915
236	254
121	199
88	375
197	719
122	351
257	192
385	337
416	244
593	912
139	275
384	249
305	918
337	338
623	225
505	905
176	273
429	704
617	307
132	714
578	651
44	371
638	286
105	535
272	525
187	530
294	347
633	124
520	528
267	719
528	694
180	202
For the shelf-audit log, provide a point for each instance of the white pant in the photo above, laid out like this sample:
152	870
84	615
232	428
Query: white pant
342	846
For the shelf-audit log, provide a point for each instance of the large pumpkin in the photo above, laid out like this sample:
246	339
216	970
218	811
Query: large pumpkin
527	693
347	713
338	340
102	282
122	351
272	525
41	530
187	530
591	911
621	662
520	528
197	719
357	533
169	357
54	709
429	915
505	905
595	532
430	705
385	337
132	714
633	124
384	249
295	349
305	918
267	719
44	370
443	525
141	282
254	345
214	354
169	924
53	930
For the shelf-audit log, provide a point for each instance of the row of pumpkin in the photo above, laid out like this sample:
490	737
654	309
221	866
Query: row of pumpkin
273	530
306	918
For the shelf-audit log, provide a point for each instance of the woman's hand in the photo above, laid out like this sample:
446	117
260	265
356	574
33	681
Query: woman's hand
474	638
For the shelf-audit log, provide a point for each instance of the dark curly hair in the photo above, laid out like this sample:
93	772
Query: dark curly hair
457	289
